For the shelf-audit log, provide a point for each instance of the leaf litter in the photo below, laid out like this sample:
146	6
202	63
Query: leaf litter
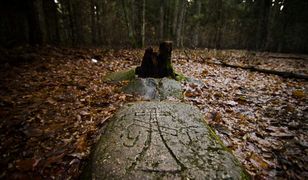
52	108
262	118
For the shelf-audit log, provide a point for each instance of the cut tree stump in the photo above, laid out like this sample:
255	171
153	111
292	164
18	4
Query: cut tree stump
157	65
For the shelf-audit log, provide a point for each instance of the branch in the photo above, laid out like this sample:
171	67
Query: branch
266	71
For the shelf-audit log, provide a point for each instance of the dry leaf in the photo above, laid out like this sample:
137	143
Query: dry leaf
54	159
26	164
81	144
300	94
257	160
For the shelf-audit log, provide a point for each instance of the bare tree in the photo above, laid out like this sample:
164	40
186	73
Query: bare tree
128	20
197	25
143	24
175	17
262	27
36	18
161	20
179	34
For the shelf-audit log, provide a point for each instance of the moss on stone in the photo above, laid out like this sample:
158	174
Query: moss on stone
121	75
180	77
244	174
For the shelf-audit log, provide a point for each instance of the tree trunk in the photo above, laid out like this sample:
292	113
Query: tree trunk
36	19
157	65
285	23
129	25
197	25
180	24
100	5
183	27
72	25
161	18
93	22
52	22
143	24
168	21
219	24
175	17
264	8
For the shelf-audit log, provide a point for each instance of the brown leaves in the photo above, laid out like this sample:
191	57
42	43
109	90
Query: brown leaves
258	161
216	116
26	164
255	114
81	144
52	110
54	159
300	94
193	91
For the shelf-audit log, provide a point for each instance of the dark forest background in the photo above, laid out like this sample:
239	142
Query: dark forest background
263	25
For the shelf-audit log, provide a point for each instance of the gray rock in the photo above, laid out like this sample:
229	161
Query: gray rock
151	88
161	140
170	88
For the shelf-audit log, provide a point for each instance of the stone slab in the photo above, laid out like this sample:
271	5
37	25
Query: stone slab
161	140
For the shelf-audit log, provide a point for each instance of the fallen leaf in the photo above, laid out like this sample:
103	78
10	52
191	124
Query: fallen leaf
189	94
299	94
81	144
204	73
54	159
257	161
216	116
26	164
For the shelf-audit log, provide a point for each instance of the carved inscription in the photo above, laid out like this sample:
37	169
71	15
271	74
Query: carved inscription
149	119
161	140
156	155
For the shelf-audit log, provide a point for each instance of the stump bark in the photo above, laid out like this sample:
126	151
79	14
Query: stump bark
157	65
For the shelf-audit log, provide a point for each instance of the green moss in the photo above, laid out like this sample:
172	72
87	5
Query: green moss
244	174
216	137
121	75
180	77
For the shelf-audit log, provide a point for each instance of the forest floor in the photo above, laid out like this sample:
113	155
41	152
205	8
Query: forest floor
53	103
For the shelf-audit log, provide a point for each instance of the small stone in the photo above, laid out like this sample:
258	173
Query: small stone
151	88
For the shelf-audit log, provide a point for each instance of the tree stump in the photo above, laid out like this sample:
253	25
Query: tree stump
157	65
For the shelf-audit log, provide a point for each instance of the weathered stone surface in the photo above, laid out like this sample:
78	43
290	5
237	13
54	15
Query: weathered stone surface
151	88
161	140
